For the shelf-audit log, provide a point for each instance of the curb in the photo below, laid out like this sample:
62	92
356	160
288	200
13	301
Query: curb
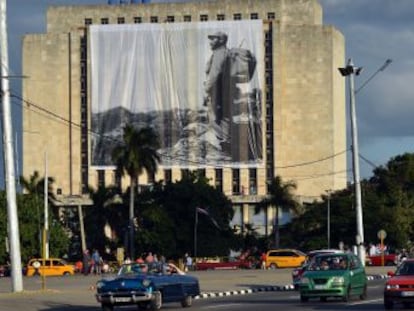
289	287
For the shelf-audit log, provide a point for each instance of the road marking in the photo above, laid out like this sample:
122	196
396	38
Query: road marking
222	306
366	302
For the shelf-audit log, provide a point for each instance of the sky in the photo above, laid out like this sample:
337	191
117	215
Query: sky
374	31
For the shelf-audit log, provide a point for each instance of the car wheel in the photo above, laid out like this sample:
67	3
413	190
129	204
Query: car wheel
187	302
304	299
273	266
142	306
406	305
66	273
388	304
156	302
364	295
347	295
107	307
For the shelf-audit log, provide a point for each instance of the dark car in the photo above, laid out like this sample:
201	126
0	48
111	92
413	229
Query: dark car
147	287
339	275
400	287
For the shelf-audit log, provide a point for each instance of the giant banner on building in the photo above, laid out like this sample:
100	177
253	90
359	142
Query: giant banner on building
199	85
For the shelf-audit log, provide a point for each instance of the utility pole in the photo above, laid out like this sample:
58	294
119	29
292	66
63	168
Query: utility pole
13	223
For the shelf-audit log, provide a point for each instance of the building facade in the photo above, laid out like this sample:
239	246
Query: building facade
302	135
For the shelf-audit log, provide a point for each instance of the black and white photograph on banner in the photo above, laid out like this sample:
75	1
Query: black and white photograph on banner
198	85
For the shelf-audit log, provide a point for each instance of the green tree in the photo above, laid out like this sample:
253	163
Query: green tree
108	209
280	196
137	153
169	211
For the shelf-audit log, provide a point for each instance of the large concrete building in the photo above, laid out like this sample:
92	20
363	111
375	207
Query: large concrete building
302	96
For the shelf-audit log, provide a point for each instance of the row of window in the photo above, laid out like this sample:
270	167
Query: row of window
236	188
186	18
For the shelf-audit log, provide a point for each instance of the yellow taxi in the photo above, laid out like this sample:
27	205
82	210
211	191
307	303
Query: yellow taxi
49	267
284	258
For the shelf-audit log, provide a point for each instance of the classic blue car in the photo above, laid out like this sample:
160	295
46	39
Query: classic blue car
147	287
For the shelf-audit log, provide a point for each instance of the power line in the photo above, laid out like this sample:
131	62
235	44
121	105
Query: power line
56	117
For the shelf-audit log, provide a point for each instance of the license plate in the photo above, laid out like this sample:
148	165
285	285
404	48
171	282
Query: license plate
320	287
407	294
122	299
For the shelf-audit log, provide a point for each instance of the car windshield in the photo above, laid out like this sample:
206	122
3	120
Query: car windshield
406	268
143	268
328	262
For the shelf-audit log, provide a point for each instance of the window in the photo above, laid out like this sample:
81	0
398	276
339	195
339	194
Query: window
137	20
170	19
236	181
202	172
185	173
151	178
221	17
254	16
88	21
203	17
271	15
219	179
187	18
237	16
104	21
252	181
101	178
167	176
118	179
154	19
121	20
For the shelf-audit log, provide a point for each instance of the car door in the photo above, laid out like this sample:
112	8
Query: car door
170	286
358	277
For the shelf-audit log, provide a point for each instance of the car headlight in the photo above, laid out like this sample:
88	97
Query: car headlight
146	283
100	284
338	280
392	286
304	281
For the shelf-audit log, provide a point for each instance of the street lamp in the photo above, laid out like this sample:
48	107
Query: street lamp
350	71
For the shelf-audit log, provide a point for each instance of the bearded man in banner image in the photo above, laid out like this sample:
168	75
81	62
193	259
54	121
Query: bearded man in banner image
219	89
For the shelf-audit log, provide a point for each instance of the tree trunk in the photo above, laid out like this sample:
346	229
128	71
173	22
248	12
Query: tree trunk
276	228
131	220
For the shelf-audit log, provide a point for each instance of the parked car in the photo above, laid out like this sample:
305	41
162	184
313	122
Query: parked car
383	260
49	267
228	263
148	286
4	270
339	275
284	258
400	287
298	272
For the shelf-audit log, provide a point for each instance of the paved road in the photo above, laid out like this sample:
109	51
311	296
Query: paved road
77	292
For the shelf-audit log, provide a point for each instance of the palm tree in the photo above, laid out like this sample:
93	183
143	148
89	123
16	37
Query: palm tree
35	184
280	195
137	153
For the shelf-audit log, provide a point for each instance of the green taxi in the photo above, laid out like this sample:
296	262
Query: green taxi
339	275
